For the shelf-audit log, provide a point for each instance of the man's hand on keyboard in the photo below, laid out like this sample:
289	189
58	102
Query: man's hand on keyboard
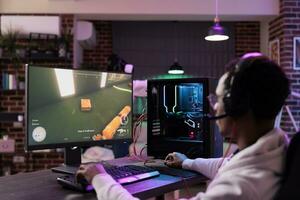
88	171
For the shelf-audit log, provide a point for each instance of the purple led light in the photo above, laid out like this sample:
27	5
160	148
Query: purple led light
251	54
89	188
217	27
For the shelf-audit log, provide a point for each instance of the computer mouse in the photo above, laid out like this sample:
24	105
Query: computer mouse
70	182
85	185
80	179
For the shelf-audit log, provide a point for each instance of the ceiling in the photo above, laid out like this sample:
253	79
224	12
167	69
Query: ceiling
187	10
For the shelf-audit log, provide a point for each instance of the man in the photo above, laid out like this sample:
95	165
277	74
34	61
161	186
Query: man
249	96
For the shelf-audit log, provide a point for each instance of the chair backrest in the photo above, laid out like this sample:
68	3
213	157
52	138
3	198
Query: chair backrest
290	188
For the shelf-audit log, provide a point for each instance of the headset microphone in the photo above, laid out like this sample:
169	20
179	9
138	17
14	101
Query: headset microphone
210	117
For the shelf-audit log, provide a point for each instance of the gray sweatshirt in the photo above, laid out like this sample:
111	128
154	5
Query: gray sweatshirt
253	173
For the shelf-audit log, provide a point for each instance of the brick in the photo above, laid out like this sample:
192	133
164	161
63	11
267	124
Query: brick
285	9
290	26
247	37
17	109
16	98
9	103
3	98
57	162
290	4
44	161
38	155
104	46
54	156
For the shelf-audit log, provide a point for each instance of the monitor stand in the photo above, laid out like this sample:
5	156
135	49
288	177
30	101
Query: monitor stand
72	160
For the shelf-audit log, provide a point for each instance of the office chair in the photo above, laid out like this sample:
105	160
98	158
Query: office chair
290	187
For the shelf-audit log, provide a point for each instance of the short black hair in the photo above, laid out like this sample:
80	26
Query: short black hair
257	84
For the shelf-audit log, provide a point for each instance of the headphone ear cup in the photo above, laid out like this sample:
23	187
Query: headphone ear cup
236	107
236	103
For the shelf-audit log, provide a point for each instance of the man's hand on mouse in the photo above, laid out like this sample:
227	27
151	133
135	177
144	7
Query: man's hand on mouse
88	171
175	159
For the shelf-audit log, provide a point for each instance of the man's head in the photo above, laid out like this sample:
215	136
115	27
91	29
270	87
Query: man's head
252	84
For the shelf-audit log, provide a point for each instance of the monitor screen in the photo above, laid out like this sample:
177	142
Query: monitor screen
72	107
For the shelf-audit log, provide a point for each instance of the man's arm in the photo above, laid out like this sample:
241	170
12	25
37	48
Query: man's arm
207	167
108	189
105	186
228	188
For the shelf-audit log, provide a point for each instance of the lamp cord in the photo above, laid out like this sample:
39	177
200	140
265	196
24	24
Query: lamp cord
175	38
217	17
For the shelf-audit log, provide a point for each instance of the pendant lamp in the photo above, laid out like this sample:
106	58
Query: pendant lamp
175	68
217	32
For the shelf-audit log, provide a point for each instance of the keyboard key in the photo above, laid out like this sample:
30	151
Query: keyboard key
130	173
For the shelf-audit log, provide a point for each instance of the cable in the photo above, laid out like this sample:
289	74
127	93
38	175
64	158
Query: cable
136	135
143	150
227	150
226	153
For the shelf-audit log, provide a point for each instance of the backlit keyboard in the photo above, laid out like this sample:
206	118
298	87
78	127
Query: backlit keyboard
122	174
130	173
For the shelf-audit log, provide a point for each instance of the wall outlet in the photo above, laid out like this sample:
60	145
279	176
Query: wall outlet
18	159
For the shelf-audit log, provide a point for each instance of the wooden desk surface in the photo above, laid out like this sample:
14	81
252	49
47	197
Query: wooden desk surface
42	185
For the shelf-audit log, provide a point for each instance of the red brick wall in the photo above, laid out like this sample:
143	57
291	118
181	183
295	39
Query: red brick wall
285	27
98	56
14	101
67	23
247	37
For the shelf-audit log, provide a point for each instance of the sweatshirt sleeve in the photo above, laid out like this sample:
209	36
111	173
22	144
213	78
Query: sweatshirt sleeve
207	167
228	188
108	189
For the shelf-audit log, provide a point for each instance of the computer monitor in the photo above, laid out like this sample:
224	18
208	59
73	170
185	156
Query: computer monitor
176	117
76	108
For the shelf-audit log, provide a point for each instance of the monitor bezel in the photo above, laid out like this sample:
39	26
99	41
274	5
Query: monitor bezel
70	144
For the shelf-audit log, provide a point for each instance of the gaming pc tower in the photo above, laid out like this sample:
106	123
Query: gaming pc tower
176	118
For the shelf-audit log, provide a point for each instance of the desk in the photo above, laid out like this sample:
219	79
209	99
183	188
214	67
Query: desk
42	185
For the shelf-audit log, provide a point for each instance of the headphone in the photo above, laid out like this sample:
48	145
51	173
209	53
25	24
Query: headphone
237	98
